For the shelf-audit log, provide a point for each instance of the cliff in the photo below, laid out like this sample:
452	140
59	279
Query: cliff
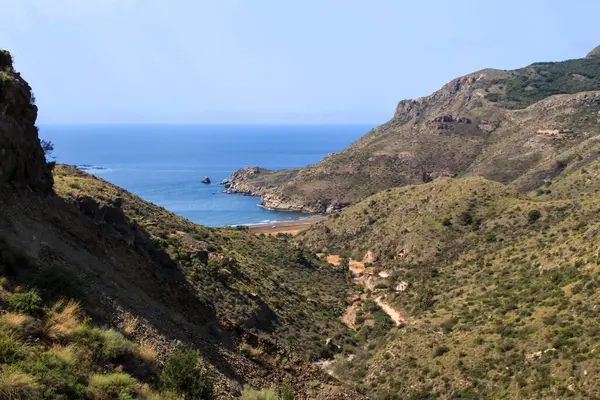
22	158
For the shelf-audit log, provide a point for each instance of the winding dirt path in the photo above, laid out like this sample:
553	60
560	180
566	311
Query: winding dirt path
362	277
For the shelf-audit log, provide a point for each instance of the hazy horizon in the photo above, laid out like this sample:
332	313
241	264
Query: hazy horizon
269	62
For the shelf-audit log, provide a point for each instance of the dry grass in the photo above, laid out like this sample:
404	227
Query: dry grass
19	324
148	352
64	317
130	325
15	384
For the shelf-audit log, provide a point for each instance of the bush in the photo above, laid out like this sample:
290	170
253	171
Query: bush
440	351
112	386
115	345
15	384
58	282
10	349
447	221
29	303
265	394
466	218
286	392
247	350
185	374
534	215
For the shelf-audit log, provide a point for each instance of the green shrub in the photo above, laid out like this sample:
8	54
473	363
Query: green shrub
440	351
447	221
60	378
286	392
29	303
251	352
381	286
253	394
223	275
533	215
112	386
10	349
185	374
115	345
57	282
466	218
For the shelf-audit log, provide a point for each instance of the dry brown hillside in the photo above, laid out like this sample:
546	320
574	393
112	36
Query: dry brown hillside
497	124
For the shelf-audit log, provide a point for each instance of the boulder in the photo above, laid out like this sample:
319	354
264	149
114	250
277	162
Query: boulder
117	202
443	118
206	180
88	206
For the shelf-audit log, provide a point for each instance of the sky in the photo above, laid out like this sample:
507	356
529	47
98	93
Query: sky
272	61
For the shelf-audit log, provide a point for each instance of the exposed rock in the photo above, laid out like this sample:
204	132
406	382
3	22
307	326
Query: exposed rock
401	286
206	180
443	118
117	202
88	206
226	182
22	160
200	255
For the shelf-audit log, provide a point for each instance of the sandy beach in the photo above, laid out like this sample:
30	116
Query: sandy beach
289	227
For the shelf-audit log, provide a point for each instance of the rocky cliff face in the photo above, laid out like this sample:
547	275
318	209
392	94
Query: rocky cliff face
492	123
22	161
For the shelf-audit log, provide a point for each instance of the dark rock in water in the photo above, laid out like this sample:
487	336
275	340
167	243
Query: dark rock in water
206	180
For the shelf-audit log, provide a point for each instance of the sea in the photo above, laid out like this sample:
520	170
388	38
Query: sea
165	164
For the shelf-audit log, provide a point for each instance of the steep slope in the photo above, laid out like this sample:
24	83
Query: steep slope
498	289
254	308
492	123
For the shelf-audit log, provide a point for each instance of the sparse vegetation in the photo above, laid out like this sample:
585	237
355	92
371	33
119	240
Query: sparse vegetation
509	301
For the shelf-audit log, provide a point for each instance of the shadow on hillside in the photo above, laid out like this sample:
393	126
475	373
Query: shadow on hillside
122	271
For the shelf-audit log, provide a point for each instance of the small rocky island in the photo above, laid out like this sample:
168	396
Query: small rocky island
206	180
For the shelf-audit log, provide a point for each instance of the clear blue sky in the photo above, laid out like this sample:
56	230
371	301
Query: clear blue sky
272	61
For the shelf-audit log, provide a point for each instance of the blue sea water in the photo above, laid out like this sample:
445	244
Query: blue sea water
165	164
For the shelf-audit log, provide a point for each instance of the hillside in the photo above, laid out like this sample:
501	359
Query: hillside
104	295
497	124
498	289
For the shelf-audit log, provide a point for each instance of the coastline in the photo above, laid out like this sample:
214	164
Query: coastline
288	227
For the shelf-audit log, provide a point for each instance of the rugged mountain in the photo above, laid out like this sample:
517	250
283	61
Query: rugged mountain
150	286
499	290
497	124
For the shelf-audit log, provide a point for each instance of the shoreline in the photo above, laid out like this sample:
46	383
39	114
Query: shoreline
288	227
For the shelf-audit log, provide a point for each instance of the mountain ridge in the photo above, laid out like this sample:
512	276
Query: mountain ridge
467	127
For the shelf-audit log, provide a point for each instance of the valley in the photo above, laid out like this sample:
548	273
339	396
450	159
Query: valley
458	257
